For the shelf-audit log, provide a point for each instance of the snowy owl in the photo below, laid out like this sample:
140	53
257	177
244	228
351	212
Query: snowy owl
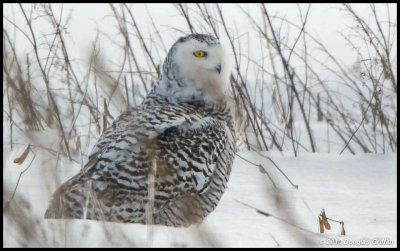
168	160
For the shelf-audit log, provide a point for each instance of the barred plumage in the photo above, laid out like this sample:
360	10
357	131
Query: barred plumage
171	156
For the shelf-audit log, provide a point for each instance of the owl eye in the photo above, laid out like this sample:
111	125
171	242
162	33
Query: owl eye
200	54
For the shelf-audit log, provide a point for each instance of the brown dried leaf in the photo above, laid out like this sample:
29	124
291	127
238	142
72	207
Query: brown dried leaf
78	144
343	232
104	124
261	169
321	225
23	156
5	209
325	220
263	213
105	109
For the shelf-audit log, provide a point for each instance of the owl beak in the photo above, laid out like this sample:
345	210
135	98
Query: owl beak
218	68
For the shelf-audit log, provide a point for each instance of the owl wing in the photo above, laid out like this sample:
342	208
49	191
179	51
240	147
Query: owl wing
187	155
186	146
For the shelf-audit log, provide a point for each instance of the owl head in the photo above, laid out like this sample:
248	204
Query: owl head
196	64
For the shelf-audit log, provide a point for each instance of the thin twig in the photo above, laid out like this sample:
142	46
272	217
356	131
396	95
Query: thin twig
16	186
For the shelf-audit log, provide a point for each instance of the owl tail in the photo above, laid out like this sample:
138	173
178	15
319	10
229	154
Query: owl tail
67	201
57	205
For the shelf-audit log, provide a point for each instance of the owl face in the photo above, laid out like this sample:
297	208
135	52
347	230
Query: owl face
193	56
200	60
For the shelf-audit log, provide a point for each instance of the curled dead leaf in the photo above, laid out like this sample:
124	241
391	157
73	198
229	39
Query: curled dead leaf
23	156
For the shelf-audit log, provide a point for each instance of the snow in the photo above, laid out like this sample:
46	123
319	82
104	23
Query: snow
359	190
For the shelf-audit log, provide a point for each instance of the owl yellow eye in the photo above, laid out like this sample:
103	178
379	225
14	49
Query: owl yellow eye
200	54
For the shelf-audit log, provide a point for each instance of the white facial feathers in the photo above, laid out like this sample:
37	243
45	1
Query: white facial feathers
197	67
212	69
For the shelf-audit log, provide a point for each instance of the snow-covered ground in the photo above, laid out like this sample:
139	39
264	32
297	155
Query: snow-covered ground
359	190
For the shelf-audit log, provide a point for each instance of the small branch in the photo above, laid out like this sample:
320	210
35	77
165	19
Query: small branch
16	186
362	121
275	217
261	166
